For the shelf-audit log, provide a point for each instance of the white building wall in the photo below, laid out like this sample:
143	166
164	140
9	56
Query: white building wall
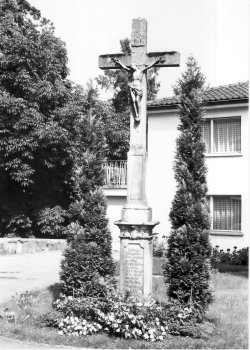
227	175
161	186
116	199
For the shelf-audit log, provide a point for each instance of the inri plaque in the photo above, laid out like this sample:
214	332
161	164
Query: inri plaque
133	269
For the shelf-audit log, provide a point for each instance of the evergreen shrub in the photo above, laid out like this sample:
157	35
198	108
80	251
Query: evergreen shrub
187	269
87	268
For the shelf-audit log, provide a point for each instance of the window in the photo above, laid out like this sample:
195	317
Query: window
225	213
222	135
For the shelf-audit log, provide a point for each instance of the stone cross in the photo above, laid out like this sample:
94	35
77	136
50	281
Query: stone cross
136	223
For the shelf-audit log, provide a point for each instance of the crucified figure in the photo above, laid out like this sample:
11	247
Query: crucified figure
135	87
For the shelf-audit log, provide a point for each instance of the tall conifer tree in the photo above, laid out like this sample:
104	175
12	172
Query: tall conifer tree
187	270
87	268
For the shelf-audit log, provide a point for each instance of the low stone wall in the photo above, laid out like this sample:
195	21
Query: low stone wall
30	245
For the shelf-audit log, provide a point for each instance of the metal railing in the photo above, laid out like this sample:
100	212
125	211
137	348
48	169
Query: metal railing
115	173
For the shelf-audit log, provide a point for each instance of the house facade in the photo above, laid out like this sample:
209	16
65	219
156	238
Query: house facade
226	133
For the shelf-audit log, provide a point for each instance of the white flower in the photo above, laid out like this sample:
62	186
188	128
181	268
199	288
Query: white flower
138	331
160	337
78	328
152	330
60	332
127	335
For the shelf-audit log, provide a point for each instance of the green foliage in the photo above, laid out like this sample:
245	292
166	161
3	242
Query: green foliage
236	257
87	265
27	299
125	317
118	121
159	247
187	269
19	225
51	319
38	109
50	221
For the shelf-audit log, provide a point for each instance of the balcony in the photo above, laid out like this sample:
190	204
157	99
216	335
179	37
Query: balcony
115	174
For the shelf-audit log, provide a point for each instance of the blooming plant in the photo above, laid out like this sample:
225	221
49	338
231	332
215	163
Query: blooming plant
126	317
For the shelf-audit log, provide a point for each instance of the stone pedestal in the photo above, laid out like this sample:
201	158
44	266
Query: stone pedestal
136	258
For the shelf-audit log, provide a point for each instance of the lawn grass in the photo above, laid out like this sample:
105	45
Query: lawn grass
229	314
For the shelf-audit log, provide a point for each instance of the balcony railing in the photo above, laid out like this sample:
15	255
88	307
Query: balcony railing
115	173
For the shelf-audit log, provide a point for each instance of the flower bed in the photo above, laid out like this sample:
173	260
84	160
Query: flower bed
124	317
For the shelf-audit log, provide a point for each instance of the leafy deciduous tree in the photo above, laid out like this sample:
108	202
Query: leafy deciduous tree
37	113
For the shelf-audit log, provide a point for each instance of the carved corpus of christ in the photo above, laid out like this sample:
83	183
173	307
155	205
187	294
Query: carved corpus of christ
135	87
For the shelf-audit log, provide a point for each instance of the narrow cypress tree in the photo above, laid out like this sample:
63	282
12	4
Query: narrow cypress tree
87	269
187	270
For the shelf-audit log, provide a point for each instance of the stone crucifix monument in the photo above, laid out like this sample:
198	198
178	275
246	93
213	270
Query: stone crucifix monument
136	225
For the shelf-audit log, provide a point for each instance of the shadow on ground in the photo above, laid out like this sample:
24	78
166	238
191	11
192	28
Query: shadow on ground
55	290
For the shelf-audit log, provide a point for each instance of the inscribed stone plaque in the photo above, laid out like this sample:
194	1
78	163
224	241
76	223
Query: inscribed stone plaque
139	32
133	269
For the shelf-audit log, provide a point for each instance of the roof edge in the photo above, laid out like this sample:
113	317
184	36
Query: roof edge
209	103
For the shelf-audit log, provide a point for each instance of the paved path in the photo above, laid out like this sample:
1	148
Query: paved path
6	343
21	272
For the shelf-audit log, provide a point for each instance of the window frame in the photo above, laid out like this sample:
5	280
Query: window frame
223	232
222	154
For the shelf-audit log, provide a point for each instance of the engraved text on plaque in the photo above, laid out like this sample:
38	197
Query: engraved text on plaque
133	269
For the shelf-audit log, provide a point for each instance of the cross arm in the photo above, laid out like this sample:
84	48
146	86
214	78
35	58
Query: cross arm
168	59
106	61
